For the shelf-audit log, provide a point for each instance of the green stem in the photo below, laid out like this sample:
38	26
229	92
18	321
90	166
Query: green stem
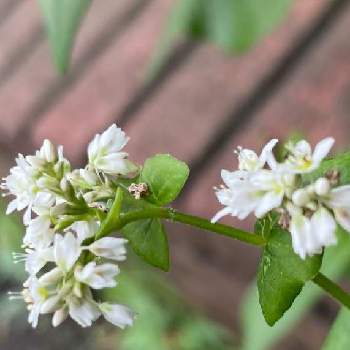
175	216
113	218
332	289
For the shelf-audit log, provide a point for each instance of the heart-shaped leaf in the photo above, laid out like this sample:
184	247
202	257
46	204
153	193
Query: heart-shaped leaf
165	177
282	275
148	239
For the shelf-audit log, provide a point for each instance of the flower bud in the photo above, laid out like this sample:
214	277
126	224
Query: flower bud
48	151
50	304
301	197
311	189
51	277
322	186
59	316
289	179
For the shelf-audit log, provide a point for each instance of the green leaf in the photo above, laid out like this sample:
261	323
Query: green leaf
165	177
282	275
257	335
340	163
148	239
62	19
338	338
233	25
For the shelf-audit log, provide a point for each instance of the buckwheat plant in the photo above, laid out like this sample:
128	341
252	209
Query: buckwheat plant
301	201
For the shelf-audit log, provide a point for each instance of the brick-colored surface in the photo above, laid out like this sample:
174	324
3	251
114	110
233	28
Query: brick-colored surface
107	87
37	74
191	104
17	29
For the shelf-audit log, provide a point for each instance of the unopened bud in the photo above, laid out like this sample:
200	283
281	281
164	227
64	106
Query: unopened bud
49	151
322	186
51	277
289	179
301	197
59	316
50	305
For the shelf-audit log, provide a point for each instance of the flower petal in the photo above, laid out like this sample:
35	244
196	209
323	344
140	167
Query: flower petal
321	150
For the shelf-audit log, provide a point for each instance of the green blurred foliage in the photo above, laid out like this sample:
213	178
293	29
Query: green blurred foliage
62	20
338	338
165	321
233	25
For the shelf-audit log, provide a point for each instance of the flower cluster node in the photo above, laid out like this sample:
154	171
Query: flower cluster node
64	261
138	190
310	212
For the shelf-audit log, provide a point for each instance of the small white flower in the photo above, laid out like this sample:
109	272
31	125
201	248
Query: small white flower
105	154
85	229
97	276
258	192
309	236
303	160
34	260
83	178
66	251
60	316
250	161
51	277
119	315
339	200
35	295
301	197
322	186
109	248
84	311
38	233
46	154
51	304
21	183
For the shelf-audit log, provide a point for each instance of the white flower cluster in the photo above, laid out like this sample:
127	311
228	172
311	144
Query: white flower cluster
262	184
63	260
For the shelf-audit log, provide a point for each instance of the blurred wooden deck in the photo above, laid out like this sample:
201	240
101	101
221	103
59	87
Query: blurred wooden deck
203	104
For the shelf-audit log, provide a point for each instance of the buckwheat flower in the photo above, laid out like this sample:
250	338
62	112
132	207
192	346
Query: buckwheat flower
301	159
109	248
51	277
97	276
38	298
338	200
104	152
311	235
83	178
85	229
66	251
21	183
247	193
84	310
60	316
46	154
119	315
250	161
34	260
